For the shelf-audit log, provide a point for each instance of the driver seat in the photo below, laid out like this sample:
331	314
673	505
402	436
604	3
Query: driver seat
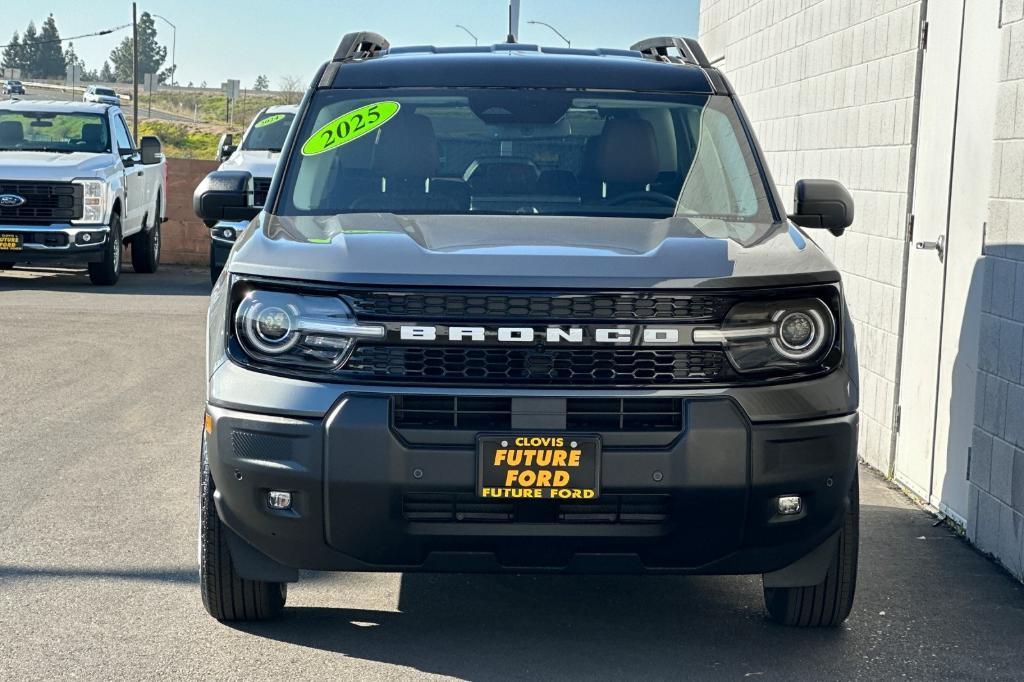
11	133
93	135
627	157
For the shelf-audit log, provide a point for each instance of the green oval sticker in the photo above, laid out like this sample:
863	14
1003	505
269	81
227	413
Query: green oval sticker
349	127
269	120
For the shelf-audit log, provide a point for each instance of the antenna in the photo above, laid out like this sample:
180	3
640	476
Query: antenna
513	21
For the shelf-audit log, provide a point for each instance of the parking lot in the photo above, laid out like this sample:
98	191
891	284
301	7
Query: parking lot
101	403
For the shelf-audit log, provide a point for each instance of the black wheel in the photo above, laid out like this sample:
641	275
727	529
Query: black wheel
108	271
146	247
215	269
827	604
226	595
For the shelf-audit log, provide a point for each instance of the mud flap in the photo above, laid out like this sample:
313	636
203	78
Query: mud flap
806	572
252	564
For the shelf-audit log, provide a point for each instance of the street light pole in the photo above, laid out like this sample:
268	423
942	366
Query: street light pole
174	49
135	72
567	41
472	35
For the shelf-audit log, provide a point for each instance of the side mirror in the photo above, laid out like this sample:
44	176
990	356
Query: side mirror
225	195
822	204
152	150
226	146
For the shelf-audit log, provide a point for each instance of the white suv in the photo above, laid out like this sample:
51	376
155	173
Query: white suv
95	93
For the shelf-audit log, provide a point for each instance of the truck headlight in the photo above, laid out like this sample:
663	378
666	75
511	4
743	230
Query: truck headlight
288	329
94	201
774	335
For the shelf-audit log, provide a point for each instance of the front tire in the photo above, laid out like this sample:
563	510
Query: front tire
108	271
828	603
226	595
146	248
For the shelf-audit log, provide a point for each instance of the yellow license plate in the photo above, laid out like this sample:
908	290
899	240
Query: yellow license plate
539	466
10	242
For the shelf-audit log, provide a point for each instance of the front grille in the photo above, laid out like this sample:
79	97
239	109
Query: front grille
45	202
260	190
467	508
534	366
463	306
581	414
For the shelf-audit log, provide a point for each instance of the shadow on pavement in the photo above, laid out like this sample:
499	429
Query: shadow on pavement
167	281
160	575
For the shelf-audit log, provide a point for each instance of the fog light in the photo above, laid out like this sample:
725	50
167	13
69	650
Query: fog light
228	233
789	505
279	500
86	237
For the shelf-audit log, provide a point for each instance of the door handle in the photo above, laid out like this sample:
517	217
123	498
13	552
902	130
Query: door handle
939	246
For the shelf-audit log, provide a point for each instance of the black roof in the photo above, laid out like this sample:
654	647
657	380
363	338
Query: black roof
516	65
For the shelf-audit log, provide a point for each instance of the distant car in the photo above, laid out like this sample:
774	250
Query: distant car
101	95
12	87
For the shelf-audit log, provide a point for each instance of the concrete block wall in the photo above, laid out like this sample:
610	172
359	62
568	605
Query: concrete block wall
829	86
996	474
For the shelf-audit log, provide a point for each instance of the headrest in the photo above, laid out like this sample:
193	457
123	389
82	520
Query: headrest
627	152
407	148
11	132
93	133
506	178
558	183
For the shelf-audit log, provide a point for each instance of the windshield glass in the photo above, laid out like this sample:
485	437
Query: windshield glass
106	92
37	131
268	132
515	151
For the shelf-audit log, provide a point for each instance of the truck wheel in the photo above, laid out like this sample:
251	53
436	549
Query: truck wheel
146	248
215	270
108	271
226	595
827	604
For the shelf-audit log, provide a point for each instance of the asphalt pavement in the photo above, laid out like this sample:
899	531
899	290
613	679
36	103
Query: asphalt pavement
38	94
101	405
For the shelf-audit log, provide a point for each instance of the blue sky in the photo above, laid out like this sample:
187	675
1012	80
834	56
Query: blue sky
221	39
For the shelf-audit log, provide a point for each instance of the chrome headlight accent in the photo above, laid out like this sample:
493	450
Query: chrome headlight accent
776	335
288	329
94	201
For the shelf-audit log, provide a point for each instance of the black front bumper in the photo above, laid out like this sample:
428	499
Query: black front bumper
365	498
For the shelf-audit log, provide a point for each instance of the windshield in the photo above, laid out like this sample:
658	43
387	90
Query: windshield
516	151
37	131
268	132
106	92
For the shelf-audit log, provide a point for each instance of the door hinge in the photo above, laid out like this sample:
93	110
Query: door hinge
897	416
924	34
910	227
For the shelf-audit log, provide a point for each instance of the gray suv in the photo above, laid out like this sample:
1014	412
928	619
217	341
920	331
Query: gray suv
524	309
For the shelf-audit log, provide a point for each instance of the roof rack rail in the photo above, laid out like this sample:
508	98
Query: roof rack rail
360	45
688	49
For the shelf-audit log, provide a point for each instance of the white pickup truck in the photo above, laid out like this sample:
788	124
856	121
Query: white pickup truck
258	155
74	188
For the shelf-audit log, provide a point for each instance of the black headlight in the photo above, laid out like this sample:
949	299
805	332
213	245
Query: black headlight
775	335
297	330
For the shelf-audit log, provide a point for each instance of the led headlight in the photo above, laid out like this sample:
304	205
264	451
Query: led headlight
774	335
283	328
94	201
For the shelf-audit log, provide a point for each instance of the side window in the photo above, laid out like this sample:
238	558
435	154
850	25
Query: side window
124	139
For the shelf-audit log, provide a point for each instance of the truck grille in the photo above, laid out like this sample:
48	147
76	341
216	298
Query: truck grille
467	508
45	202
260	190
462	306
534	366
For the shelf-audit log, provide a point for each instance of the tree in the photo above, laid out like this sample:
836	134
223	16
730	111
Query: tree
29	51
14	55
107	74
291	89
49	56
152	55
262	84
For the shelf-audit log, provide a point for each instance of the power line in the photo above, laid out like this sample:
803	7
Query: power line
62	40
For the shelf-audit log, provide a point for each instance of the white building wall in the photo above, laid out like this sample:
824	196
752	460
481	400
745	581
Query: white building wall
829	86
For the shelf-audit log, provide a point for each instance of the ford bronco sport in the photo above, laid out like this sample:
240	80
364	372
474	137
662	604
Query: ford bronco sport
523	309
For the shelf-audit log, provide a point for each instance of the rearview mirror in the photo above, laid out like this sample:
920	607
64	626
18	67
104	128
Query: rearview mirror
226	146
152	150
822	204
224	195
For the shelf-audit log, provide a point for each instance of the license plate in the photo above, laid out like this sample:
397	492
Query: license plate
10	242
538	466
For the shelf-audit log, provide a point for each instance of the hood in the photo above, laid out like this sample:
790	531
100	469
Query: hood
530	252
50	165
260	163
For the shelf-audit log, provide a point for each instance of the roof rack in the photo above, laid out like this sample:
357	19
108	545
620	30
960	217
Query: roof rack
361	45
688	50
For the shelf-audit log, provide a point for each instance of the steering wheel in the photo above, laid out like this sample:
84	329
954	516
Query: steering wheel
654	197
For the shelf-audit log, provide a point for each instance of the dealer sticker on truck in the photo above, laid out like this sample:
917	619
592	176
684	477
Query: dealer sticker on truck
539	466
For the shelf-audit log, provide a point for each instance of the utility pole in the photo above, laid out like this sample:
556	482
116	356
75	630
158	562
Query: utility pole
135	71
